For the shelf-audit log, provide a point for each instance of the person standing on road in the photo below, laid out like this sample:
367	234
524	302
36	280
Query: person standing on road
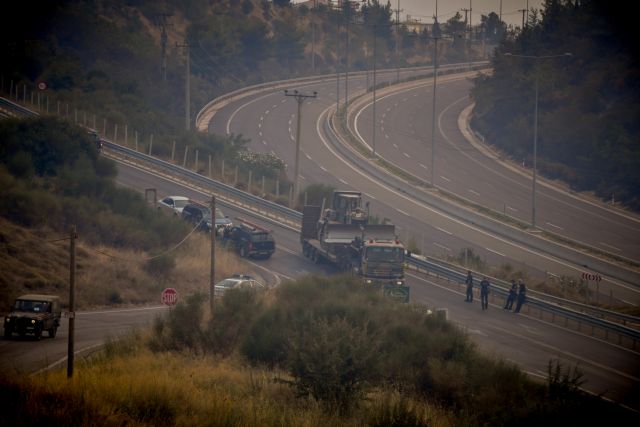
469	282
513	293
522	296
484	293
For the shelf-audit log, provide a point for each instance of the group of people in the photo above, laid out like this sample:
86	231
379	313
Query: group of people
517	293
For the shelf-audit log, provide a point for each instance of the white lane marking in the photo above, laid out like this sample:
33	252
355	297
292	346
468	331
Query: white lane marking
529	329
308	156
474	192
260	133
266	112
423	166
441	214
261	118
555	226
302	177
370	196
477	332
406	155
259	125
445	178
444	231
395	145
274	105
495	252
512	209
402	212
343	181
612	247
386	136
264	142
323	168
441	246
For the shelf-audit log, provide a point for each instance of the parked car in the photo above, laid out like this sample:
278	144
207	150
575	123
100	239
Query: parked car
33	314
250	240
237	281
173	204
198	213
95	137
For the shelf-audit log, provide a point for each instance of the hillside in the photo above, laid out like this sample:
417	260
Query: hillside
589	102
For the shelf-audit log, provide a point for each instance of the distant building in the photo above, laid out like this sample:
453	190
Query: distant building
415	24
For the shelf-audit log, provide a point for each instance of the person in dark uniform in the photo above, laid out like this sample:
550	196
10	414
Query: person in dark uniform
522	296
469	282
513	293
484	293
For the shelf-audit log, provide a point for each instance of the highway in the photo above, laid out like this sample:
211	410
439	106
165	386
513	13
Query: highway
610	370
268	119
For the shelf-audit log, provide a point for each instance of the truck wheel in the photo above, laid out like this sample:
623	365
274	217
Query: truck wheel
38	333
52	332
7	333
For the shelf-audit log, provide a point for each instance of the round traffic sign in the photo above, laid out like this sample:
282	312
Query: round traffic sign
42	85
169	296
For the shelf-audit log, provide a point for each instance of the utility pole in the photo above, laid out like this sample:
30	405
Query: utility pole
375	34
72	299
300	98
162	23
500	10
212	271
187	90
346	54
436	37
313	40
524	11
398	42
338	63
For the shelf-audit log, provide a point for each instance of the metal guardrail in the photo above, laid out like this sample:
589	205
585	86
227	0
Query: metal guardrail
293	218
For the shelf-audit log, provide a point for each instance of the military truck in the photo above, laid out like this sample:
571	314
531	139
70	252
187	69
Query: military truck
33	314
249	239
342	236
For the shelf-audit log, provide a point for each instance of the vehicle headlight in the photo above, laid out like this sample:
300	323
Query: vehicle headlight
33	321
7	319
368	281
399	282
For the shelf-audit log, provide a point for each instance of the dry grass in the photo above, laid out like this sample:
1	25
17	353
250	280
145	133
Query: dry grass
31	262
173	389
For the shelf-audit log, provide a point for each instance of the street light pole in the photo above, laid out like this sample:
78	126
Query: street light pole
436	36
535	126
299	97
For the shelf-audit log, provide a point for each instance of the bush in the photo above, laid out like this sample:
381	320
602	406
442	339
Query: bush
161	266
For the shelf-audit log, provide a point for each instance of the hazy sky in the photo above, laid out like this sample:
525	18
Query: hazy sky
425	9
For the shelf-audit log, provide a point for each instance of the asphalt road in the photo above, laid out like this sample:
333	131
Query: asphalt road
609	370
269	120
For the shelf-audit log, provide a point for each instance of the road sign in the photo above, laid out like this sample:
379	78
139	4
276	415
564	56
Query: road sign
591	276
42	86
169	296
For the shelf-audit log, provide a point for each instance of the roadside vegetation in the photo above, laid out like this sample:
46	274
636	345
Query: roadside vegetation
589	109
313	352
52	177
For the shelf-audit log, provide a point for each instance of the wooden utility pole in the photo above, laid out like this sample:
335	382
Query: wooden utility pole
187	90
299	97
212	272
72	299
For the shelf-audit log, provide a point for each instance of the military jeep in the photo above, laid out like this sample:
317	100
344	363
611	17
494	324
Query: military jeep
33	314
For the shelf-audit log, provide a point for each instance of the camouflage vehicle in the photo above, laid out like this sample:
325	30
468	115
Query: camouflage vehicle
33	314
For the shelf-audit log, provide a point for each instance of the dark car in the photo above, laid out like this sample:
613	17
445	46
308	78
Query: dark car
250	240
197	213
33	314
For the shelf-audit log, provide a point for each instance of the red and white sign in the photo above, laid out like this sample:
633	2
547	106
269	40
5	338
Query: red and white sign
169	296
591	276
42	86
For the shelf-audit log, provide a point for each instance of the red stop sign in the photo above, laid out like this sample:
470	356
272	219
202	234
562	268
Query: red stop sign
169	296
